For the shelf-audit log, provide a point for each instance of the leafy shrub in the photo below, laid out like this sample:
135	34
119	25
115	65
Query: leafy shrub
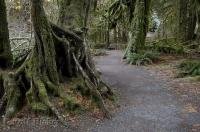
189	68
143	58
167	46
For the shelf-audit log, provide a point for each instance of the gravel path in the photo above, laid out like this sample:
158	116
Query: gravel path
146	104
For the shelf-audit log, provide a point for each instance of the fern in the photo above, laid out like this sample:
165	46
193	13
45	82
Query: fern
167	46
143	58
189	68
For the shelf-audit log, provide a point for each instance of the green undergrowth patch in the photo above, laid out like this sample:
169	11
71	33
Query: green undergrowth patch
153	50
167	46
189	68
143	58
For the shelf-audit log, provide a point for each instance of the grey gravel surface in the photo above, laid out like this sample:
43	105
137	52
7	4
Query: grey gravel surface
146	104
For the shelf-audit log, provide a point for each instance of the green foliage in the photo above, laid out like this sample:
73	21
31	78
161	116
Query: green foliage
189	68
70	104
143	58
116	12
167	46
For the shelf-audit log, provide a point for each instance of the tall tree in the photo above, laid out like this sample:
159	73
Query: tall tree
187	20
71	13
46	66
5	50
139	27
196	5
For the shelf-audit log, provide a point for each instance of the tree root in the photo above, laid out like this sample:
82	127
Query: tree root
33	80
93	88
99	81
36	95
12	95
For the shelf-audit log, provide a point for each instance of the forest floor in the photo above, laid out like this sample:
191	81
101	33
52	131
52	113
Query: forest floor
150	99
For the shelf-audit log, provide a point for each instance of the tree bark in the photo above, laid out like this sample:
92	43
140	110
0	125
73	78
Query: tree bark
139	27
187	20
71	13
47	66
5	50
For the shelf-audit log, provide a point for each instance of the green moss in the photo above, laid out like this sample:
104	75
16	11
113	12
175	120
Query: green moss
42	91
139	27
72	9
29	96
78	85
70	104
39	107
13	95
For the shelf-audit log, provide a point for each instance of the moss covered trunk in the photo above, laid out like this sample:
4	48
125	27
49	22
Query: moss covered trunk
139	27
198	22
71	13
187	20
57	55
5	50
44	52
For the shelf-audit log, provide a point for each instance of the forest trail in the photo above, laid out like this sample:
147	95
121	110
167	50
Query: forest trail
146	104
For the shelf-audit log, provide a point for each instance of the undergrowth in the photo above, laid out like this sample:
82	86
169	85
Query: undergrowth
143	58
167	46
153	50
189	68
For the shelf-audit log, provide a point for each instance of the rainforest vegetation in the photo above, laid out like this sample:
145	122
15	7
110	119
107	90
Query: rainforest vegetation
47	49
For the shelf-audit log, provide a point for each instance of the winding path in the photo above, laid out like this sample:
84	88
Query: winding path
146	105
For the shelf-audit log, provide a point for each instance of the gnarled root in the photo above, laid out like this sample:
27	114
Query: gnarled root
34	80
37	95
92	87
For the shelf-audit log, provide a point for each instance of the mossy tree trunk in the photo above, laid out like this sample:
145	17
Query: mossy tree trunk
47	66
5	50
198	23
71	13
38	74
187	20
107	37
139	27
25	10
